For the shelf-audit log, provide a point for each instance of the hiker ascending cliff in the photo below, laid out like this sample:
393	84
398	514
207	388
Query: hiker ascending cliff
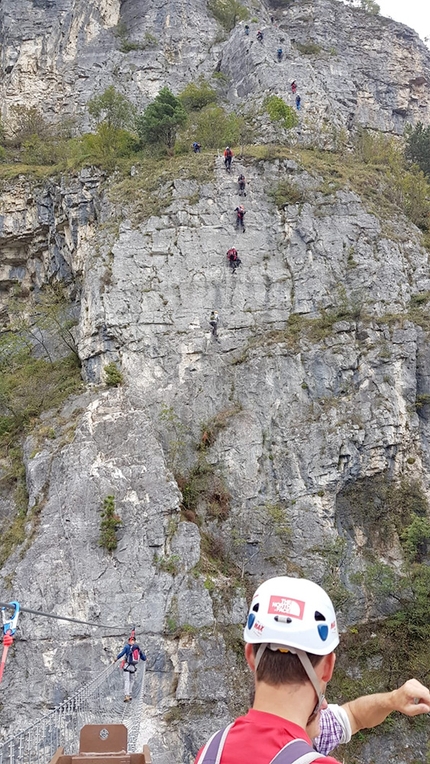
260	36
213	322
293	87
279	54
240	214
242	183
298	102
196	147
233	259
131	654
246	29
228	156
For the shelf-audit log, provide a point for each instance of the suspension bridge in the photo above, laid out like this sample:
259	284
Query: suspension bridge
98	702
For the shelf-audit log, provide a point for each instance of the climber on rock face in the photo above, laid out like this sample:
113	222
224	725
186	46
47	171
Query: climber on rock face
242	183
196	147
279	54
240	214
298	102
213	322
260	36
228	156
246	29
293	87
233	259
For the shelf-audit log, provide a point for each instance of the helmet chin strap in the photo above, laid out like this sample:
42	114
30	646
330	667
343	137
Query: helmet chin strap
307	665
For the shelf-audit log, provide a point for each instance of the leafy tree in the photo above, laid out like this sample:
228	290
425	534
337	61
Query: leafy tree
161	119
27	122
197	95
111	108
418	146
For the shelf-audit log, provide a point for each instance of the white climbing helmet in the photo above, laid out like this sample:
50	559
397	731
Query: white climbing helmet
294	613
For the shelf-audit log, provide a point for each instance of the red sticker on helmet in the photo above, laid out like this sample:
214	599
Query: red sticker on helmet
286	606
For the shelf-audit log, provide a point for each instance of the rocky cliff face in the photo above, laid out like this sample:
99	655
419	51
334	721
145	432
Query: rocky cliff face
311	388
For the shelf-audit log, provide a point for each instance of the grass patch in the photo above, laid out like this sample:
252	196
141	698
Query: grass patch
150	190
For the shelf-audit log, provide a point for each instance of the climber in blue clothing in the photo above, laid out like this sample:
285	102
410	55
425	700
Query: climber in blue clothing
279	53
131	654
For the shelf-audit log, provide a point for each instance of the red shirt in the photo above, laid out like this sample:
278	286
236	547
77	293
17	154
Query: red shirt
257	737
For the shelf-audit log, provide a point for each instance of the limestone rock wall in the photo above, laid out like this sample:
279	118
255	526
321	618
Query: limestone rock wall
300	405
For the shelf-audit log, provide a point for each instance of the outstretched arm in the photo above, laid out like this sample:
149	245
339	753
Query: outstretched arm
411	699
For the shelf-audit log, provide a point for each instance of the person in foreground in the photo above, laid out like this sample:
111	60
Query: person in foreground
290	635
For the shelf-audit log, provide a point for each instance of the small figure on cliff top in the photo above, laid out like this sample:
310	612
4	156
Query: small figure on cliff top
131	654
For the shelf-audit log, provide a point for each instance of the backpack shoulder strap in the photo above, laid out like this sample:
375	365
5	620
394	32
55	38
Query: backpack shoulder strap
296	752
212	751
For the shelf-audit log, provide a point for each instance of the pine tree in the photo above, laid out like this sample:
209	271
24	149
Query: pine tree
161	119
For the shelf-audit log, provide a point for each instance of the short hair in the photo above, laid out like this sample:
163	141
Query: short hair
276	667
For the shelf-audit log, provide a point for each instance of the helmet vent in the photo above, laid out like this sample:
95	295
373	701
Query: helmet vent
319	616
256	606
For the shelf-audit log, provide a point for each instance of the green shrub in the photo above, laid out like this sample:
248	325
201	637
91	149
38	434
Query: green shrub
109	524
113	376
227	12
279	111
308	48
197	95
48	151
214	127
168	564
104	148
286	193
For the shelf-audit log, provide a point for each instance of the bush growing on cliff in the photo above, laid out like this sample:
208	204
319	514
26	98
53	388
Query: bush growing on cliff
109	524
279	111
197	95
227	12
112	374
214	128
103	148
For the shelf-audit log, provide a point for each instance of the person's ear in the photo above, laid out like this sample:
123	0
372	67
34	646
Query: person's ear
328	667
250	656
